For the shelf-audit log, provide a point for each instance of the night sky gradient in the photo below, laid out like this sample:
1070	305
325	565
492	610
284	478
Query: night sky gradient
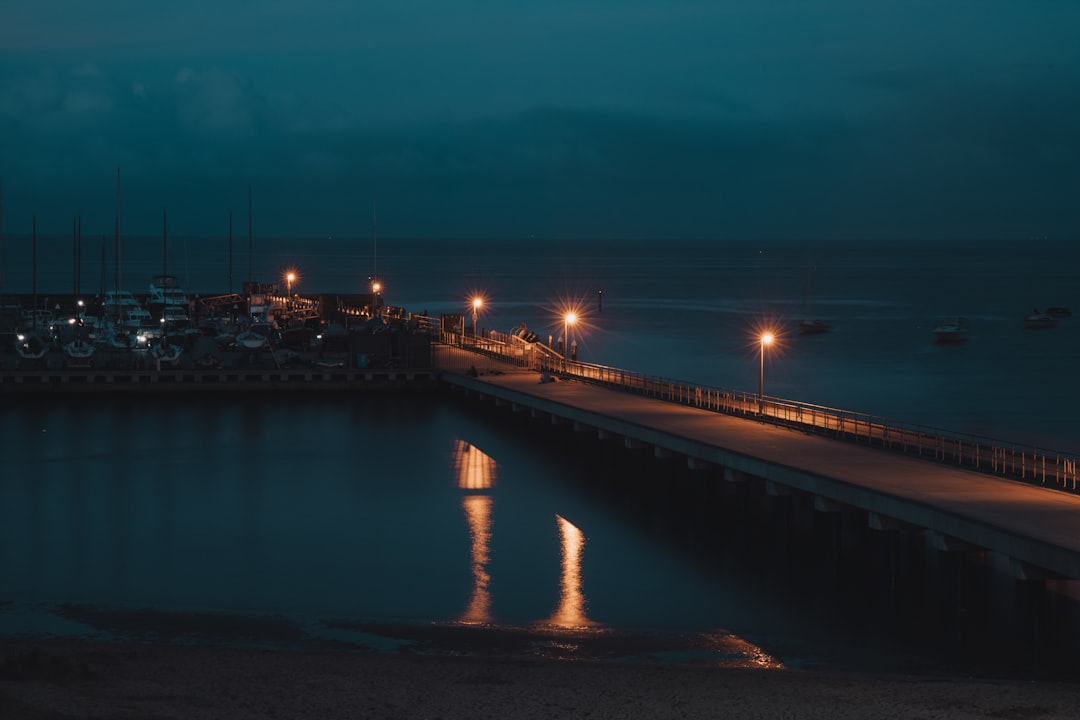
710	119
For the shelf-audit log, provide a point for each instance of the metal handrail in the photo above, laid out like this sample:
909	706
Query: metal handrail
993	456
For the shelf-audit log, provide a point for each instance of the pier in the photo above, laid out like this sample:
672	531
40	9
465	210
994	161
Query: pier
988	537
984	527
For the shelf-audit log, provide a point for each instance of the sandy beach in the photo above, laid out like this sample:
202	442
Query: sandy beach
65	679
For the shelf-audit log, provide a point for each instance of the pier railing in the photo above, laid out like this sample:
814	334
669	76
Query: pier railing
998	457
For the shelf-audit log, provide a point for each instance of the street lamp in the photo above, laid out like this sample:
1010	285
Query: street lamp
766	339
476	303
289	278
376	300
569	319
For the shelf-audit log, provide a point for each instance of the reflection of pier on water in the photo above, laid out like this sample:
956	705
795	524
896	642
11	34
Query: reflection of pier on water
476	473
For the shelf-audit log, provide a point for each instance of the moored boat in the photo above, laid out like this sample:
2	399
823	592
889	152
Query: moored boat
31	346
814	327
165	290
79	352
1039	320
951	330
256	337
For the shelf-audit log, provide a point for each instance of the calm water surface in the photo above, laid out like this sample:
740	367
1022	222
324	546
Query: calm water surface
331	512
335	513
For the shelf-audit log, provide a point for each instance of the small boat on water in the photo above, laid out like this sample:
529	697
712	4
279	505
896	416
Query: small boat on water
951	330
31	346
1039	320
256	337
814	327
79	353
166	353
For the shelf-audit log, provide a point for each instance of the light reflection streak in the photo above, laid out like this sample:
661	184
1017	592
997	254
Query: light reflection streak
475	469
478	513
571	610
476	472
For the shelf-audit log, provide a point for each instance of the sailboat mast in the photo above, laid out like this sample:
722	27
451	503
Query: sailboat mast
164	246
78	255
230	252
1	241
248	233
117	258
374	244
34	272
75	258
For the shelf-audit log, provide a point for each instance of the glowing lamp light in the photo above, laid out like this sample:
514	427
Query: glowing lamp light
767	338
568	320
477	303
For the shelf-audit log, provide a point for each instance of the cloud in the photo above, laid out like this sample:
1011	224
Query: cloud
214	100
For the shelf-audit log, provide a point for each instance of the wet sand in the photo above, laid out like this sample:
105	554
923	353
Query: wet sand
58	679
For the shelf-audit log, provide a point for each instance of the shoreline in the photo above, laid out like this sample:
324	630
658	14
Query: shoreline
60	679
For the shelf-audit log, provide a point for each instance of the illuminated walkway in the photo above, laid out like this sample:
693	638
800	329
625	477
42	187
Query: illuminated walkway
1037	529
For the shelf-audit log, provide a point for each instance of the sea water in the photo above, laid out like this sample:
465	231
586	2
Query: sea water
693	310
334	513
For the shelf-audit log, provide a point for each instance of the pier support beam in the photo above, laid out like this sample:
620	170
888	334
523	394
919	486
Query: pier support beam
693	463
775	489
734	476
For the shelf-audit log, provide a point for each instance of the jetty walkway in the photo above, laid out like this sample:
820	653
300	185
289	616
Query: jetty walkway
1033	528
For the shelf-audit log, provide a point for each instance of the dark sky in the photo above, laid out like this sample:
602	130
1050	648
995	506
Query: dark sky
715	119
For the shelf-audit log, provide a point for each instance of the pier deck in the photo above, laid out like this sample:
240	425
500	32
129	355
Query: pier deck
1034	527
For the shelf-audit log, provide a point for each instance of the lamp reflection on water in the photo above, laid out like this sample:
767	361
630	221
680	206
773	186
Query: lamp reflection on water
571	610
478	513
476	472
475	469
568	633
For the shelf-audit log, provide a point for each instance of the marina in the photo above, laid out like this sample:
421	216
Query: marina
270	344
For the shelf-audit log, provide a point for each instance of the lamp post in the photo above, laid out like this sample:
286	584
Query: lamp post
476	303
289	277
569	319
766	339
376	300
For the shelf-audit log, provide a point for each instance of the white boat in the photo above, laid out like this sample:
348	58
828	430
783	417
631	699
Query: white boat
951	329
255	337
1039	320
31	346
138	318
814	327
79	353
174	314
165	290
119	299
167	353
